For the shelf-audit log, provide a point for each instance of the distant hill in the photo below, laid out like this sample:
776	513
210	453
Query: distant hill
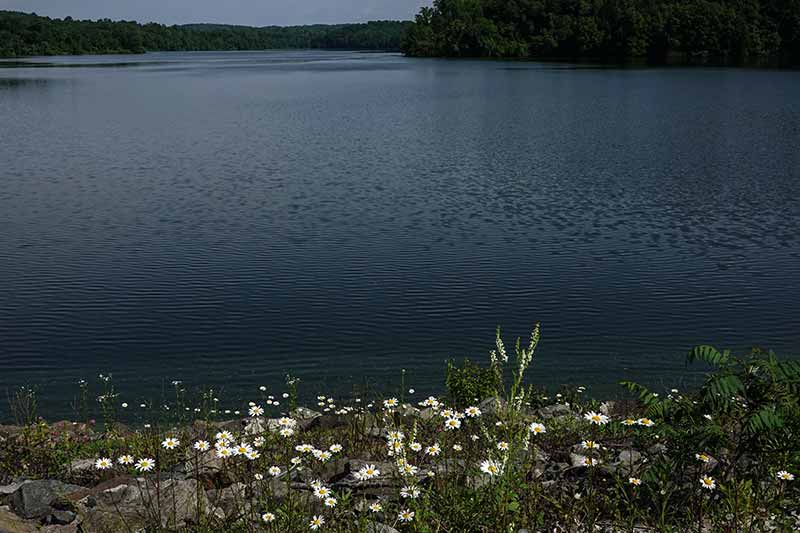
23	34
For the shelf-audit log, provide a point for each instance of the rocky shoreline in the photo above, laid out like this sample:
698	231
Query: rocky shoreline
89	500
490	458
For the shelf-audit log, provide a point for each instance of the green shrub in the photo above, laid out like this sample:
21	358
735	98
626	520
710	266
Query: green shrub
469	383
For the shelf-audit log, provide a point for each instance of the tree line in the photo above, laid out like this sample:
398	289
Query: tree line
24	34
656	31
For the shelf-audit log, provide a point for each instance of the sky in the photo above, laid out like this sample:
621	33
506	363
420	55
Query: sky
246	12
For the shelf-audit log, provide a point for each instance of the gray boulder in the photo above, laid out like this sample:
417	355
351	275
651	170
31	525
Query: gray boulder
7	490
142	505
61	517
32	500
230	499
11	523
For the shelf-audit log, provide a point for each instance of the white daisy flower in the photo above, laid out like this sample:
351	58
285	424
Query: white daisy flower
242	449
472	412
391	403
708	483
490	467
596	418
287	422
322	492
433	450
452	424
369	471
410	491
223	452
224	435
537	428
145	465
170	443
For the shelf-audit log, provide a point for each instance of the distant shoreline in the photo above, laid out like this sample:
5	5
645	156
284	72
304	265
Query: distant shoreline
29	35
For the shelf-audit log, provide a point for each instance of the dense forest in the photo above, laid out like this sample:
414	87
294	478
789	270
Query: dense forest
25	35
656	31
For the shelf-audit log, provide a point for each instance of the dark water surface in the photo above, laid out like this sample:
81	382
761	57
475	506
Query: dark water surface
221	218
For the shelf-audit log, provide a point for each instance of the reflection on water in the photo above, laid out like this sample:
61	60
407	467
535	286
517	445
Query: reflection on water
22	82
223	218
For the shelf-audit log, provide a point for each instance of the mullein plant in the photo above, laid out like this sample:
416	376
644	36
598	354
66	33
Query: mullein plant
511	436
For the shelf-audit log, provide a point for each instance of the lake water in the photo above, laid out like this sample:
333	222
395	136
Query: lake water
223	218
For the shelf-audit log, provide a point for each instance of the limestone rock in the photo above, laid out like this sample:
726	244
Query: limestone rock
349	480
81	465
492	406
210	428
304	416
326	422
257	426
70	528
607	407
377	527
429	413
554	411
628	457
408	410
576	460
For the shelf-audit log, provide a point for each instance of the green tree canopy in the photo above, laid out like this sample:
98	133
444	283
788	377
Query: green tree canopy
732	31
24	34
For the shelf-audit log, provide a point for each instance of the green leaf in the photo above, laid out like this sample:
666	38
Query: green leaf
708	354
765	419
